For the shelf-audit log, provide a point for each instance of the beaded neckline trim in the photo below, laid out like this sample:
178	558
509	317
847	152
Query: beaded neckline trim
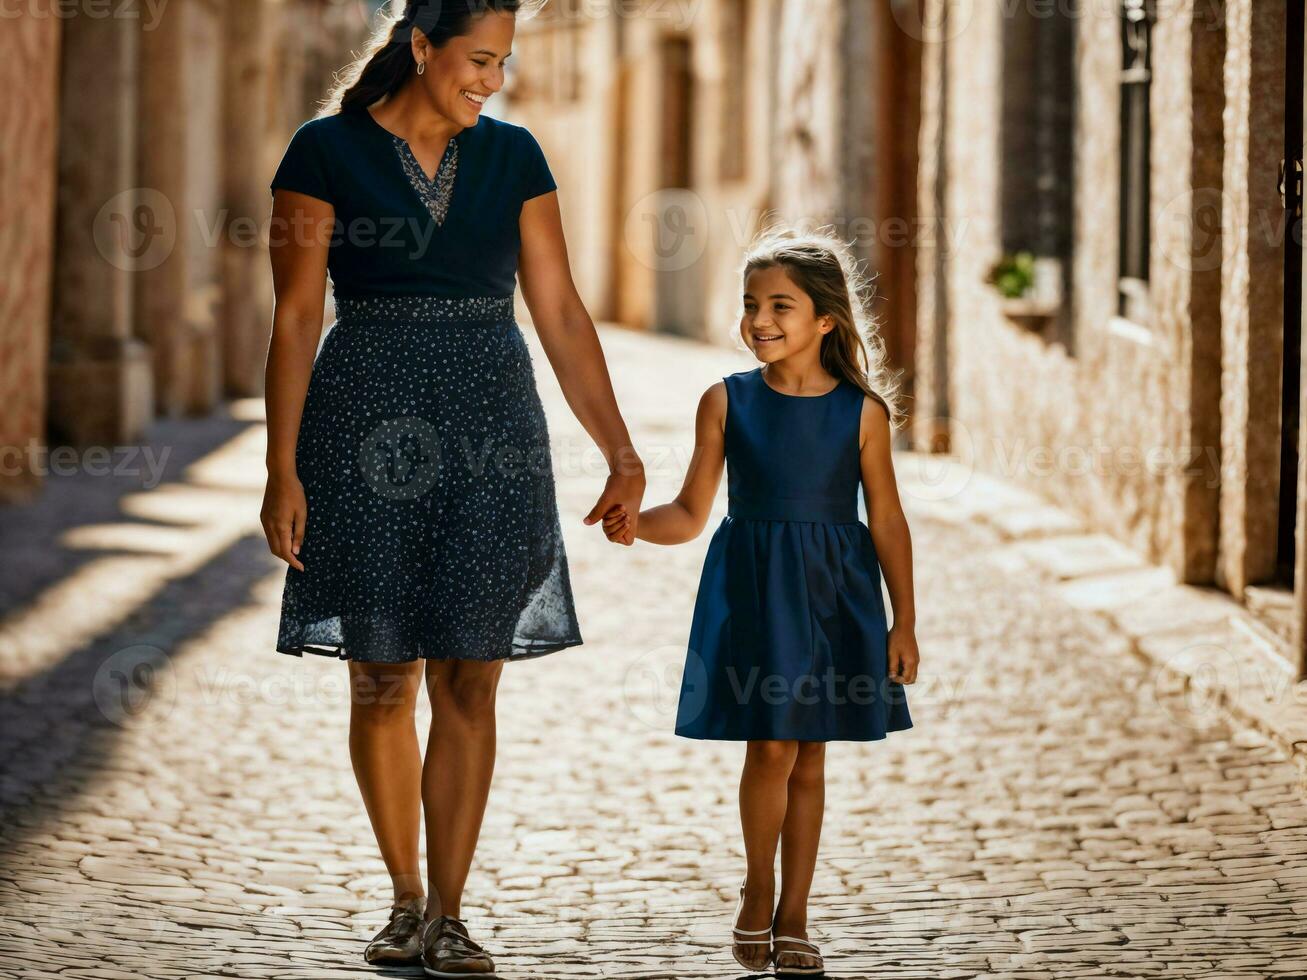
434	193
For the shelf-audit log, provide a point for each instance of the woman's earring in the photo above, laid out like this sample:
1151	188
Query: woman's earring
422	66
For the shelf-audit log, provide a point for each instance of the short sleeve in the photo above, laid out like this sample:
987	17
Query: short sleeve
304	166
537	178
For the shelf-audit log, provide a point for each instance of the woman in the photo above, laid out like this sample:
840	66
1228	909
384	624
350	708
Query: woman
410	484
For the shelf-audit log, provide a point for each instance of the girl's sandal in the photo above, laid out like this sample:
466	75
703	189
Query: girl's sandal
797	962
763	962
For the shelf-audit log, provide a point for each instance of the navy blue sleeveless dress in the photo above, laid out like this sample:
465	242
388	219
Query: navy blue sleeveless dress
433	527
788	637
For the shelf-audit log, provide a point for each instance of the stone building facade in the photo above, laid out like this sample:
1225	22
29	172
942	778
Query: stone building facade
676	128
137	144
1085	269
1148	375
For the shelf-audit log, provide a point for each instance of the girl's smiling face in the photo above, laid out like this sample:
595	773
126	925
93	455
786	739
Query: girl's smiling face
779	319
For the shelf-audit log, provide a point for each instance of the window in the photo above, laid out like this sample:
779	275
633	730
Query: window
1137	19
1037	138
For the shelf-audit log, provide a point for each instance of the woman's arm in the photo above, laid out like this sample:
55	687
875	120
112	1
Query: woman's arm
571	343
298	242
685	517
889	531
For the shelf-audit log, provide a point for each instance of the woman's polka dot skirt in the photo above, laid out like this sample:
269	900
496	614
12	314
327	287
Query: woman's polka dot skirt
433	524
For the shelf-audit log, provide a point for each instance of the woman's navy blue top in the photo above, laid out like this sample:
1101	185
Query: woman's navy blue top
398	231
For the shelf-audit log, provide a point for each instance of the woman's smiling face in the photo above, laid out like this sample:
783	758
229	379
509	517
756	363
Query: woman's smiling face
462	75
779	319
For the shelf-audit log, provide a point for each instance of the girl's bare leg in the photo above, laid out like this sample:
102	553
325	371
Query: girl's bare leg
456	779
800	837
383	747
767	766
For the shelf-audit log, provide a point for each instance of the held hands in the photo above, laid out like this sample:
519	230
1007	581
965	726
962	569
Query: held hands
903	655
617	524
622	494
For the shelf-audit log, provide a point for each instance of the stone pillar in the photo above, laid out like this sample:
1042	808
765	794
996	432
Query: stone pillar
29	99
178	168
245	317
1252	292
810	112
100	385
1188	98
931	406
639	84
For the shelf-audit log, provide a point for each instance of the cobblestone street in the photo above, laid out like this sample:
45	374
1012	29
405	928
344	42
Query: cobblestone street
178	800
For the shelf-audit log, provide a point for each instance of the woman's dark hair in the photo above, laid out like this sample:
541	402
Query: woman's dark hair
387	60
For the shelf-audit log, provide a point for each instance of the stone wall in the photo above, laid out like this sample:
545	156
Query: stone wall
28	120
138	149
558	99
704	122
650	247
1120	424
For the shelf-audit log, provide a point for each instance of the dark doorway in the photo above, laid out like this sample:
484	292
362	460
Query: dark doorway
1290	387
896	125
678	102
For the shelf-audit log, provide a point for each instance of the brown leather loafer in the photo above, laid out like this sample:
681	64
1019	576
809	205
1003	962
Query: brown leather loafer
400	940
448	951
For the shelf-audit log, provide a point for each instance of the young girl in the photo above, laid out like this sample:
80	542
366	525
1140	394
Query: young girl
789	643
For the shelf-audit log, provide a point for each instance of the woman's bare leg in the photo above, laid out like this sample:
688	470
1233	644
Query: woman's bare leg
799	840
456	779
767	766
383	746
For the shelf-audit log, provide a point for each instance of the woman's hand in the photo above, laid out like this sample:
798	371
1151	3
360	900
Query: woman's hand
903	655
625	491
285	511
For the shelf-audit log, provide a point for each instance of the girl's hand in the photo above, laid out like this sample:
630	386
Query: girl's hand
616	523
285	512
903	655
624	490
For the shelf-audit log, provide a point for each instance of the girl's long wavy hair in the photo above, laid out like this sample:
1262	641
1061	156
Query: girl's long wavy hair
823	266
387	61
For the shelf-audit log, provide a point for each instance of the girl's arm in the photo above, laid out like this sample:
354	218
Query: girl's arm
684	518
569	339
889	531
298	241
